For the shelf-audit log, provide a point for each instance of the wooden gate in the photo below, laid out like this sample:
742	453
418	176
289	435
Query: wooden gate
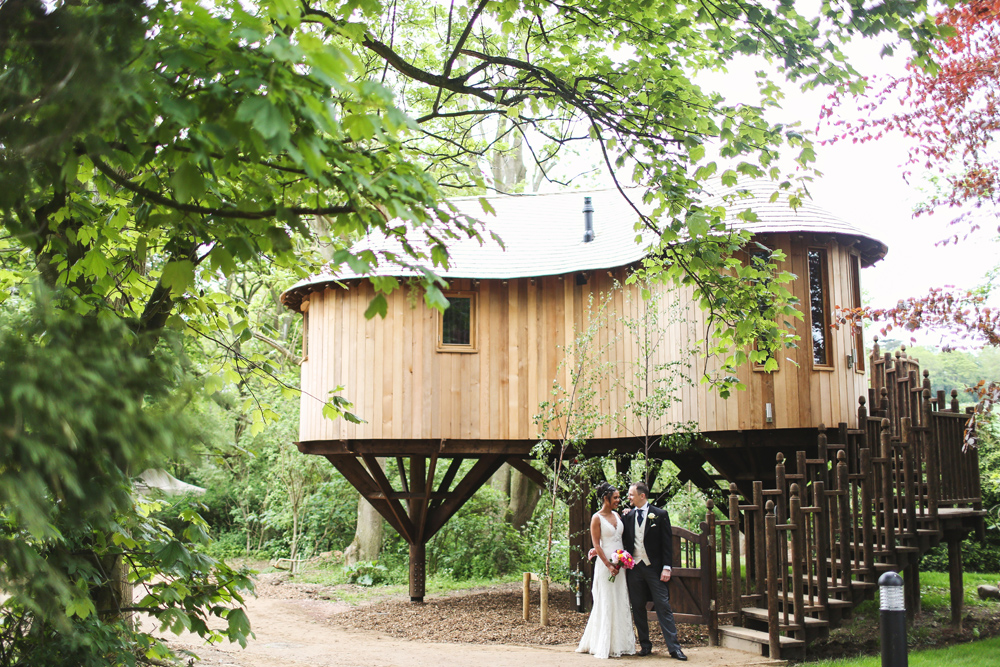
691	579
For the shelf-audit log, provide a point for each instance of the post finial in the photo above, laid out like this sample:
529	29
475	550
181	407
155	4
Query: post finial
862	400
709	503
769	507
842	456
780	458
885	424
794	490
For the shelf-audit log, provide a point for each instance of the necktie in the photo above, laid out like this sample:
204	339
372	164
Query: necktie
638	518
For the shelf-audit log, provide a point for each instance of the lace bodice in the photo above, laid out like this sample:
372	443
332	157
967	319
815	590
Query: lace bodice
611	535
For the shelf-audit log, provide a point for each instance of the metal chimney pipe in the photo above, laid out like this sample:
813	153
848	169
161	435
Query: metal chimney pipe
588	220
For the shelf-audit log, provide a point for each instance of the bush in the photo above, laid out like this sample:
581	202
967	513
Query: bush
366	573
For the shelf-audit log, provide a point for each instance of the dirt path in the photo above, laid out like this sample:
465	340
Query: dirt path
293	630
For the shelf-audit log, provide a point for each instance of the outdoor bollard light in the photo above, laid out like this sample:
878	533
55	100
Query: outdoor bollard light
892	613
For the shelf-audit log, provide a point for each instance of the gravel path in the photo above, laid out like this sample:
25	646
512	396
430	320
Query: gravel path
299	625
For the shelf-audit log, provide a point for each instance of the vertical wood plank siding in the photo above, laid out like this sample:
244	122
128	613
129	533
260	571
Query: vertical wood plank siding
405	389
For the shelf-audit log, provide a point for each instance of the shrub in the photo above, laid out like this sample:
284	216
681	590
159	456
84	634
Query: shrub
366	573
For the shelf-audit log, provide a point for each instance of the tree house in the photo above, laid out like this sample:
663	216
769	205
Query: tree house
436	390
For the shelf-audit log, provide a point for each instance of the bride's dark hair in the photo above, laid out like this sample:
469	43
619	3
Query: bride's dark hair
604	491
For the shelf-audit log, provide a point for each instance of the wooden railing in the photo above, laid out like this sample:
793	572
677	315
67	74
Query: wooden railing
818	540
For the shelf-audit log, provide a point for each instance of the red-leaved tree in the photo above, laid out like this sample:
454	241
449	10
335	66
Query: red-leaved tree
949	105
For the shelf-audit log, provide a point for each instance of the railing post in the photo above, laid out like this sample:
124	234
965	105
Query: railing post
734	551
822	454
759	546
708	572
846	529
867	512
781	517
773	630
888	498
909	492
822	541
933	479
798	556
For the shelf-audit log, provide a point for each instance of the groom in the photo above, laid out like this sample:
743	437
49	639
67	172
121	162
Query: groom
647	536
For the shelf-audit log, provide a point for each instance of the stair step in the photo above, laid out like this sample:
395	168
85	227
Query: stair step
753	641
759	614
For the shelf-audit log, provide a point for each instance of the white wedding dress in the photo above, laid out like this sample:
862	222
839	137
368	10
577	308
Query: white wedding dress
609	630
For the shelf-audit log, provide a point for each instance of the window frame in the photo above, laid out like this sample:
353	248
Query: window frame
825	288
858	332
473	346
304	309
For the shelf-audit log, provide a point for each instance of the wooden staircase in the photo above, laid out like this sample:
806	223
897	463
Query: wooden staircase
817	542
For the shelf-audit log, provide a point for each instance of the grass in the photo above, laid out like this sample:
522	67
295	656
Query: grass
935	591
985	653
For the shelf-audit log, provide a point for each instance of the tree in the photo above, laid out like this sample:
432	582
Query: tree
149	150
949	106
80	413
230	125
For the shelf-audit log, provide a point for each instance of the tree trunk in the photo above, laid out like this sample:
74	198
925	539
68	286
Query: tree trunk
367	543
501	480
524	496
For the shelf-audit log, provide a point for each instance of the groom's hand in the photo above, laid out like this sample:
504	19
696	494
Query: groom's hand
665	576
626	510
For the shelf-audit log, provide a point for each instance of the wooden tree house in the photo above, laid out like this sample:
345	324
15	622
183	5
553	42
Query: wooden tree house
436	391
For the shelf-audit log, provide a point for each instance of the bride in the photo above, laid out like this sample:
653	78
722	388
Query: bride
609	629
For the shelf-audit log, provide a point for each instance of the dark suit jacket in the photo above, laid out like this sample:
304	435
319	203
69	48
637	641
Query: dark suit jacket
658	538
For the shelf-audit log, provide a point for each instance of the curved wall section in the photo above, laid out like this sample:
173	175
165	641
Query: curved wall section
405	388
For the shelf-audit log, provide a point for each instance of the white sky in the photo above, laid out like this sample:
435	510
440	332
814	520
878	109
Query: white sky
864	185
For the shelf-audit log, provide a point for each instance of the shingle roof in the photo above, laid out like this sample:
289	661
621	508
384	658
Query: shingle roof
543	234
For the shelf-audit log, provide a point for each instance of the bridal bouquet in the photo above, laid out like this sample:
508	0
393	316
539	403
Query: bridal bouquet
621	558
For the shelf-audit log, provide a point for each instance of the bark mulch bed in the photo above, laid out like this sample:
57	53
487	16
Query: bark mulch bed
488	616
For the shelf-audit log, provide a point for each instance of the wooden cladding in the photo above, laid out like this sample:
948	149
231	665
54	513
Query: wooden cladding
405	388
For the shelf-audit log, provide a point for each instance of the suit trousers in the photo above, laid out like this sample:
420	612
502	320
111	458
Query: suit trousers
643	585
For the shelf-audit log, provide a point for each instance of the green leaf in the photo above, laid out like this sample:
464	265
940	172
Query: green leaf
265	117
178	276
187	182
378	306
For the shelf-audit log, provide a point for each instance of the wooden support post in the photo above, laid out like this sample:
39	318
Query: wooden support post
955	579
911	591
417	511
771	548
526	597
418	561
545	602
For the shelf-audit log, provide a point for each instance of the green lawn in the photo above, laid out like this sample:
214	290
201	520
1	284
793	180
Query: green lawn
985	653
935	592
